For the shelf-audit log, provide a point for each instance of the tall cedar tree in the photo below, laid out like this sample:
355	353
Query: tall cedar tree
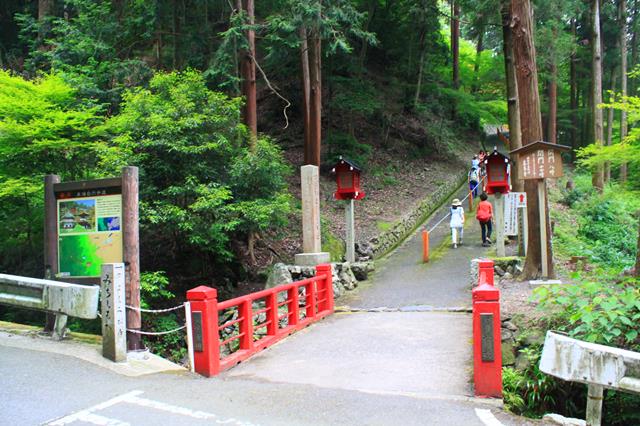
531	125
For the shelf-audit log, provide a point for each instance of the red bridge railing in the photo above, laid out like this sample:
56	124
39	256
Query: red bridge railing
254	322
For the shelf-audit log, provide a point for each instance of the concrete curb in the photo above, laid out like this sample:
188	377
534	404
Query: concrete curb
137	364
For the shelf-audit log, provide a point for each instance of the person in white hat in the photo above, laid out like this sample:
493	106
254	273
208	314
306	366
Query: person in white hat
457	222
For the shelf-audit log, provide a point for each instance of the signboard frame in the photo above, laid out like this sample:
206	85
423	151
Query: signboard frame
79	191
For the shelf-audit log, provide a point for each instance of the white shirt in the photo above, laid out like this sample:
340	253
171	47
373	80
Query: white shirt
457	216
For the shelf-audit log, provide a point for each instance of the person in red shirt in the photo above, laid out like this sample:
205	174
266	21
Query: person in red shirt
484	214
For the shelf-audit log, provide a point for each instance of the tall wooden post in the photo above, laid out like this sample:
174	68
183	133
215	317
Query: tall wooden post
130	234
50	236
542	211
530	123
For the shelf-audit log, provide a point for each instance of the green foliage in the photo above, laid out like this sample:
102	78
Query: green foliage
43	129
91	49
600	226
599	312
201	183
153	288
172	345
529	392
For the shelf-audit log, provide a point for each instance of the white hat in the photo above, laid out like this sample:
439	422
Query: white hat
456	202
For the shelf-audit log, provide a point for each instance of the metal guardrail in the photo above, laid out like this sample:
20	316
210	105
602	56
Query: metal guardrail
598	366
62	299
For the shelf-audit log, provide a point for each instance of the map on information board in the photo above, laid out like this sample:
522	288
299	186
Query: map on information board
89	232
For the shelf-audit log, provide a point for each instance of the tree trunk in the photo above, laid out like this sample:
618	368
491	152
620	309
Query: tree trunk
607	165
573	106
634	46
315	74
248	73
622	19
476	65
373	4
455	43
553	103
597	179
420	69
512	92
306	94
524	54
45	8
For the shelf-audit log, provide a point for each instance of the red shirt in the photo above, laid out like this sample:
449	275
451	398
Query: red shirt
485	211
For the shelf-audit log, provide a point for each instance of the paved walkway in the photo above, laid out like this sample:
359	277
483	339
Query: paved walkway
406	331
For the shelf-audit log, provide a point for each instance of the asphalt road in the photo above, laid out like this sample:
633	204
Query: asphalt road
44	388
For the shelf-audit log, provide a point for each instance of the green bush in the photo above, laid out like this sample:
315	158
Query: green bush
529	392
203	183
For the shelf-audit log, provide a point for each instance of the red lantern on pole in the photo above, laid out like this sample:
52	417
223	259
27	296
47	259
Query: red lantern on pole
497	167
347	180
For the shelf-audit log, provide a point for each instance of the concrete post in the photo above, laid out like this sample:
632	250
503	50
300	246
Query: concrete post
594	405
351	231
499	212
50	237
113	310
311	239
310	180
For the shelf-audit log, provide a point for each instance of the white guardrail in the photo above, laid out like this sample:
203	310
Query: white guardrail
598	366
62	299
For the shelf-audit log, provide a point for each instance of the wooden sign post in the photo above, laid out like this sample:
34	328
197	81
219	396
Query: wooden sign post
91	223
539	161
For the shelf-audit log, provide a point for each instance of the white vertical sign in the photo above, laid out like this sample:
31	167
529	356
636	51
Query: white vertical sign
113	309
511	214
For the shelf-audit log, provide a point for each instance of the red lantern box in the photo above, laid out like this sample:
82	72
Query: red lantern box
497	167
348	180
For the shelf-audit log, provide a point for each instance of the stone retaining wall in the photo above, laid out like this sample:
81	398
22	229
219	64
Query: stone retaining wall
345	275
383	243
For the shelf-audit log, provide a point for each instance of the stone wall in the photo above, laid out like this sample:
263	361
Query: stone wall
386	241
345	275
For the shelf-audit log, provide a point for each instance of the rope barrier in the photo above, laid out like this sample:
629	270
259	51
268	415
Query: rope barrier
156	333
449	214
155	311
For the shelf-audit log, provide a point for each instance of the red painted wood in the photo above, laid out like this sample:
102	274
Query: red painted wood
319	303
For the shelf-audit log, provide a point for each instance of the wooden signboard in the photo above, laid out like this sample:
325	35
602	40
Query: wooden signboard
89	226
540	160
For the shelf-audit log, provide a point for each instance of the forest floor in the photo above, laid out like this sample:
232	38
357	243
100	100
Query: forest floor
395	180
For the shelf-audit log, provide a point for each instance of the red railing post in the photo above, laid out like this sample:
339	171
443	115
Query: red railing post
293	306
310	299
487	350
206	340
327	283
246	324
272	313
485	272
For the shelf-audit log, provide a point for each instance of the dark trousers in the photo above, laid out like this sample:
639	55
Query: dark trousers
486	230
473	186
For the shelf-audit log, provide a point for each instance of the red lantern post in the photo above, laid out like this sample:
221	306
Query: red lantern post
348	188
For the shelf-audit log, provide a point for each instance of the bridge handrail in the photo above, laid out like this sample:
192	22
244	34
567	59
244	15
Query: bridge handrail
282	317
74	300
